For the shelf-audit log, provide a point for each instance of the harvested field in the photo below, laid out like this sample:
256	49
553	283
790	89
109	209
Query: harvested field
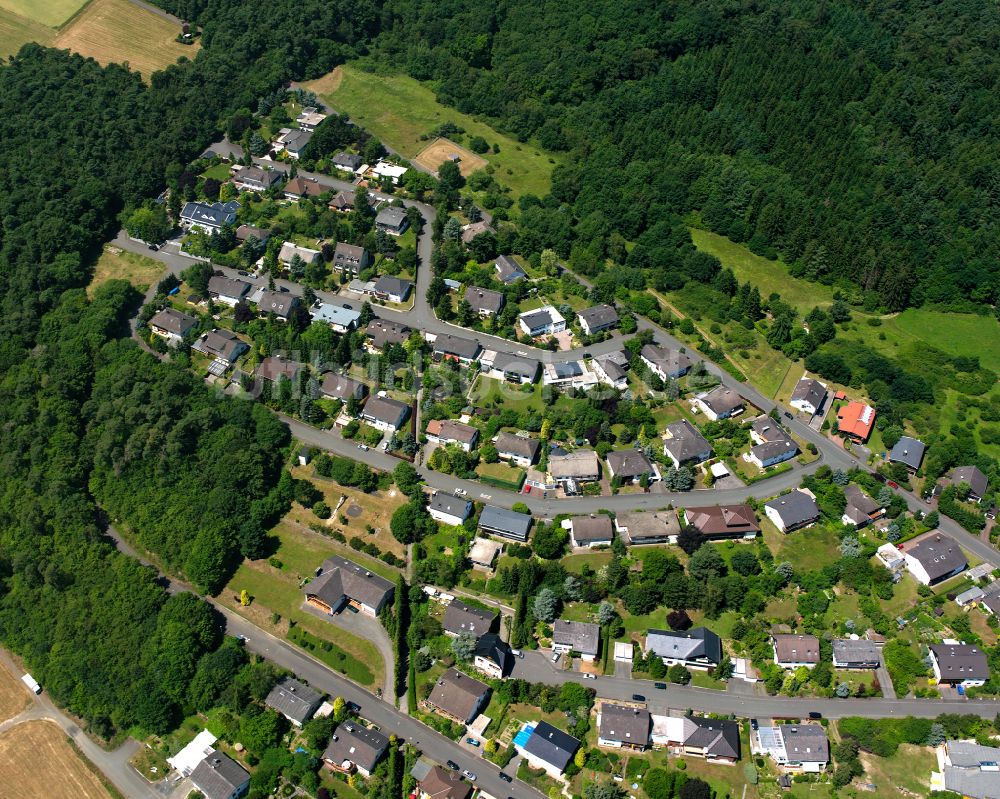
37	762
116	263
13	695
16	31
47	12
119	31
440	150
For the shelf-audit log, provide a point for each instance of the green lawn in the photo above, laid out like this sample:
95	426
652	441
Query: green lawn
219	172
810	548
575	563
399	110
908	770
489	391
500	471
17	30
52	12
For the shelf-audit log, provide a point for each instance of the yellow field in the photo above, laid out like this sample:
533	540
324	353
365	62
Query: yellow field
13	695
36	762
119	31
47	12
16	31
114	263
438	151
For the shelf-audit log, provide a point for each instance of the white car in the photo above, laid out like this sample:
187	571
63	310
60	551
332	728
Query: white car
469	774
460	492
555	657
589	676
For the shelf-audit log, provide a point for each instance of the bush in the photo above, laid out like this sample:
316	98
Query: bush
322	510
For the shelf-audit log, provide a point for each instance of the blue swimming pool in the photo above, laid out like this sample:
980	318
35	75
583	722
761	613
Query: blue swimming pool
522	737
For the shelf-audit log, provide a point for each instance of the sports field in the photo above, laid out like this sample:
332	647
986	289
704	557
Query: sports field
13	695
37	761
120	31
399	110
440	150
52	13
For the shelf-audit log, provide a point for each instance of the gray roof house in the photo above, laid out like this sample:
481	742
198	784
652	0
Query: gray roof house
347	161
355	747
493	656
792	510
805	743
808	396
698	647
458	696
861	509
856	654
294	700
221	344
383	332
392	220
514	368
683	444
969	769
959	664
484	302
972	477
934	558
713	739
645	527
209	216
342	387
667	364
218	776
600	317
589	531
227	290
621	726
909	452
456	347
720	403
461	618
576	636
508	270
254	178
342	582
792	651
550	748
448	508
280	303
350	258
518	448
385	413
393	289
506	523
172	324
629	464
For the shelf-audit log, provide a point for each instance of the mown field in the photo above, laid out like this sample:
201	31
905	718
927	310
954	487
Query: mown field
399	110
52	13
37	761
16	31
118	264
13	695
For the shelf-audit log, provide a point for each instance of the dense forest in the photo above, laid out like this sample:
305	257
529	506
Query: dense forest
857	140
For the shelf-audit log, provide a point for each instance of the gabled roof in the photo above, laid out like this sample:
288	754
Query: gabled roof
450	430
908	451
599	316
447	344
626	724
809	390
580	636
461	618
593	528
698	643
441	784
290	249
769	430
293	699
796	648
476	229
458	694
336	315
211	214
173	321
228	287
280	303
351	253
722	519
806	743
218	776
646	525
451	505
491	647
717	737
342	387
722	400
484	299
386	409
856	419
275	366
668	360
848	650
629	463
938	554
505	521
684	442
343	578
574	465
221	343
971	475
352	743
382	332
794	508
509	364
348	161
521	446
542	317
393	286
860	502
306	187
243	232
551	745
508	269
960	662
391	216
254	174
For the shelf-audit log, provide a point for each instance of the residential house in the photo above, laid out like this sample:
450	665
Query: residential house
512	368
909	452
343	201
856	654
185	761
630	465
967	769
600	317
808	396
392	289
720	403
861	510
957	663
458	696
355	748
385	169
392	220
309	118
612	369
275	367
545	747
293	141
773	443
855	420
351	258
341	387
520	450
299	187
342	582
210	217
683	444
574	468
715	740
227	290
644	527
973	478
568	373
218	776
347	162
717	522
294	700
576	636
341	319
460	618
385	413
456	348
279	303
172	325
220	344
792	511
793	651
591	531
307	255
448	431
442	784
623	727
493	656
382	332
244	232
469	232
934	558
542	321
667	364
795	747
970	596
508	270
484	302
697	648
506	523
449	509
253	178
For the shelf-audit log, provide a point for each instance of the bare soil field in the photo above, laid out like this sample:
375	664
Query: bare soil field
440	150
36	762
13	695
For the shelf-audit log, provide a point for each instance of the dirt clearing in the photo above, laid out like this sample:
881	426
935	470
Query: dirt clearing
441	150
37	762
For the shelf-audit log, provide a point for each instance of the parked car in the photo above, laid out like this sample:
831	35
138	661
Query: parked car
154	247
638	698
788	415
363	447
472	741
660	685
505	777
815	714
460	492
469	774
452	765
753	724
517	653
587	676
555	657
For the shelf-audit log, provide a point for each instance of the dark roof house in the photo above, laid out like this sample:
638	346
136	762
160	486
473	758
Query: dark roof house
343	582
458	695
218	776
684	444
353	746
484	302
461	618
909	452
503	522
698	646
792	510
723	521
294	700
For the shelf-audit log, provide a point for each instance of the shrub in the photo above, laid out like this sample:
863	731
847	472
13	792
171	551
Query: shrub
322	510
